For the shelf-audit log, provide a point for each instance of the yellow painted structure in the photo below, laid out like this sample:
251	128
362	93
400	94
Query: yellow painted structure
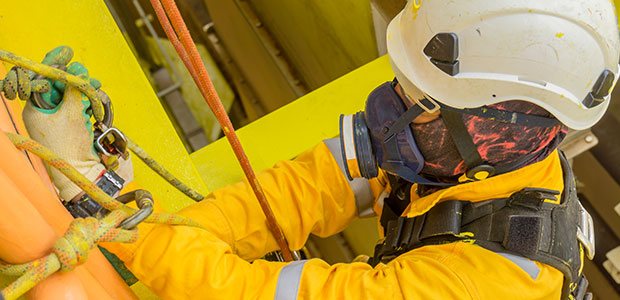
290	130
32	28
322	39
191	94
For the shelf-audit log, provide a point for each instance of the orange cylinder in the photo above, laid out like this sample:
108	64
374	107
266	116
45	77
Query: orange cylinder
32	218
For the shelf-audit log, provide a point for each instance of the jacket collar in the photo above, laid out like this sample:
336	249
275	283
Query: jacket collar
543	174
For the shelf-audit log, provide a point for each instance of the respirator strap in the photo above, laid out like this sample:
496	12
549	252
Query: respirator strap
477	169
405	119
394	161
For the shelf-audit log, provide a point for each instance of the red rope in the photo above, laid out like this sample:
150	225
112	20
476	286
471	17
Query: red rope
180	38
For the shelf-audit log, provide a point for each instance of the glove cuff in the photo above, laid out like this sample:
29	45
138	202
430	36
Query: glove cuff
68	190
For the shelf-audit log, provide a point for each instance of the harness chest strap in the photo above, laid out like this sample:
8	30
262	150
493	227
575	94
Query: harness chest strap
523	224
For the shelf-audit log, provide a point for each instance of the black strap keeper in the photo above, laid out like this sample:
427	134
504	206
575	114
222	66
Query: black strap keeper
533	198
443	219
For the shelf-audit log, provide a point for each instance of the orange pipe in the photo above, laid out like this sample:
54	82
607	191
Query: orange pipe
182	41
32	218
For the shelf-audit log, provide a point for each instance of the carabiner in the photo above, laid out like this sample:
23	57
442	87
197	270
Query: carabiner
144	200
108	117
36	98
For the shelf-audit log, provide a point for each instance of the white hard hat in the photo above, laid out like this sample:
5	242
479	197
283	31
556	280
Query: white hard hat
560	55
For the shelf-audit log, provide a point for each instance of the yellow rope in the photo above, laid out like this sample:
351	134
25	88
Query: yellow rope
159	169
98	112
83	234
17	83
53	160
59	75
69	251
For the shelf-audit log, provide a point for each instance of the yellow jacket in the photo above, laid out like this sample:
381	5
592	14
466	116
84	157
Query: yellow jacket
311	195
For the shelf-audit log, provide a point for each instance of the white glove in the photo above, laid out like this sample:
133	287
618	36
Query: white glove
66	129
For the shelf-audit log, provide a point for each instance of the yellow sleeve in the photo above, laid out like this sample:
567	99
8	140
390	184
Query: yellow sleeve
309	194
194	264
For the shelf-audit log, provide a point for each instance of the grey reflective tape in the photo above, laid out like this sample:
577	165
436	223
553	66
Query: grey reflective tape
288	280
360	186
527	265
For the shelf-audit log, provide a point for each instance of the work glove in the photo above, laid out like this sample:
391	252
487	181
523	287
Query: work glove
66	129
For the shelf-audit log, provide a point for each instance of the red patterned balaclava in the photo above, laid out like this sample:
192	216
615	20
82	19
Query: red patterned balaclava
498	143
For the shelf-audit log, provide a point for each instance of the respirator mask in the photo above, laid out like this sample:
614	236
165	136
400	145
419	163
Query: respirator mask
382	137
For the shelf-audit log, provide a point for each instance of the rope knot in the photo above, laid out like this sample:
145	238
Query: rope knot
72	249
18	83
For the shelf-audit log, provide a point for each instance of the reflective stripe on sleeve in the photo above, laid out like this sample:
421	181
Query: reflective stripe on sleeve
288	280
360	186
525	264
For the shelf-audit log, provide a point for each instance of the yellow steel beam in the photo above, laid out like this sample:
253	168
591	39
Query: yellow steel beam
288	131
31	28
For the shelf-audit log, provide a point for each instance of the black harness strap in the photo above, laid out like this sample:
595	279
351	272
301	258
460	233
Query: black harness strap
398	200
523	224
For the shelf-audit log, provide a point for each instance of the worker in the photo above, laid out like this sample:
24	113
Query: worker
457	155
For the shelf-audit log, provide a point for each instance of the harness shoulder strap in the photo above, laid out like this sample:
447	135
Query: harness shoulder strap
523	224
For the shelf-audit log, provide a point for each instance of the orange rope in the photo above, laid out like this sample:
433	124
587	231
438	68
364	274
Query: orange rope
180	38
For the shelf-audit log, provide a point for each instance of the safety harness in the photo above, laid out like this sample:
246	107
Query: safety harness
523	224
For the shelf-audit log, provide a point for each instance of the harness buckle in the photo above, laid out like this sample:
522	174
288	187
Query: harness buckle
585	231
112	142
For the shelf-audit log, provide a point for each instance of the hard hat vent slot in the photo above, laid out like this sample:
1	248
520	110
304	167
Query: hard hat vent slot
443	50
600	90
